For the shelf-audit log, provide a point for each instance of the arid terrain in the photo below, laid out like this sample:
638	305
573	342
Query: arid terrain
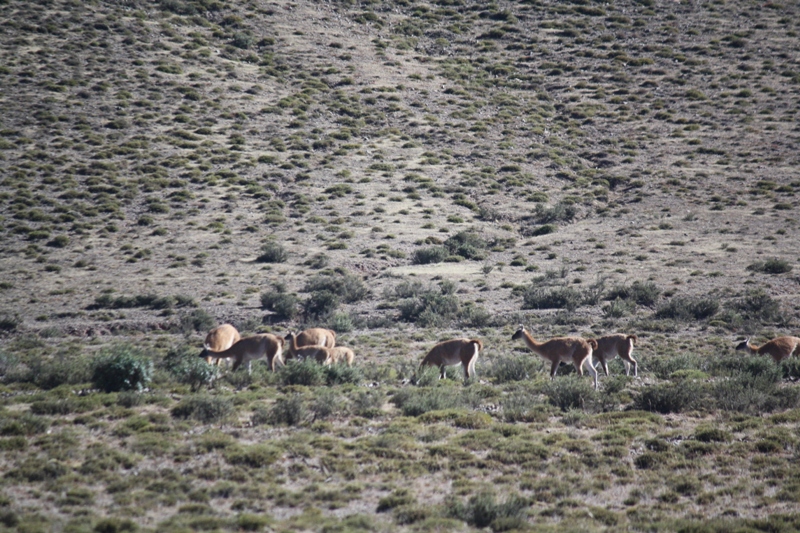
401	172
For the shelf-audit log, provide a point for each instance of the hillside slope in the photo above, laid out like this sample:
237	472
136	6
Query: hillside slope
150	149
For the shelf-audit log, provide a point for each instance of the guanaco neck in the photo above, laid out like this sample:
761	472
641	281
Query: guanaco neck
293	342
530	341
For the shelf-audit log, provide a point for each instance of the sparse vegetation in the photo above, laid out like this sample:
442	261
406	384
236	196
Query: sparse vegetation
401	172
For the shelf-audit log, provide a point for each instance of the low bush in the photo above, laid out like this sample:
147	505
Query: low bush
122	368
255	456
643	293
430	307
483	510
9	323
283	304
340	374
320	305
288	411
773	265
341	322
524	407
535	297
347	287
560	212
205	409
664	367
115	525
303	372
755	367
686	309
185	366
327	403
425	256
417	401
196	320
272	252
571	392
758	305
51	373
505	369
467	244
368	403
671	397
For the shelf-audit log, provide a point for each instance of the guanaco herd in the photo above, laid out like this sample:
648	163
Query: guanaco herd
224	343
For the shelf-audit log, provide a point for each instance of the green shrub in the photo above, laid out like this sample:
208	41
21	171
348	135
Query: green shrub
196	320
341	322
320	305
24	425
340	374
368	403
671	397
326	403
195	372
417	401
571	392
9	323
283	304
35	470
347	287
115	525
425	256
483	510
710	434
560	212
772	265
742	365
272	252
523	407
51	373
303	372
643	293
790	368
664	367
122	368
505	369
430	307
289	411
544	229
255	456
252	522
687	309
205	409
467	244
551	298
758	305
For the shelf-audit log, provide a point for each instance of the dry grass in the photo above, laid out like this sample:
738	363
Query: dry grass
401	172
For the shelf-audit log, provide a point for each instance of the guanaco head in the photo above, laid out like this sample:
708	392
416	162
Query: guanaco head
289	339
518	333
744	345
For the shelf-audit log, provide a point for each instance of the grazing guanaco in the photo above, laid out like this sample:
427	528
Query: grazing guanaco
311	337
262	346
341	354
779	348
321	354
610	346
575	350
454	352
219	339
